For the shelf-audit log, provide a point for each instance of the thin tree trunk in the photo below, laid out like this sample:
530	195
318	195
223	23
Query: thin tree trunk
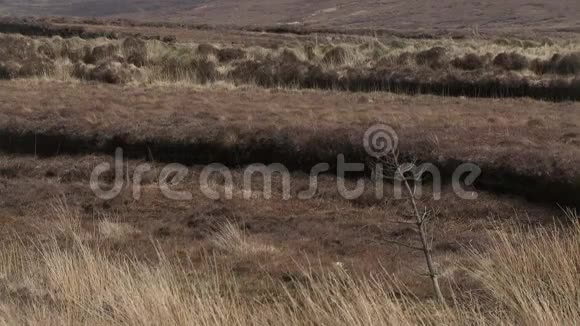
426	248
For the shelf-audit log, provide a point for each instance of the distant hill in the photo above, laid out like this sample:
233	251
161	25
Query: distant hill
397	14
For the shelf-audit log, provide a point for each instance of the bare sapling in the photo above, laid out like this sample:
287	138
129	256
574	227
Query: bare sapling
407	177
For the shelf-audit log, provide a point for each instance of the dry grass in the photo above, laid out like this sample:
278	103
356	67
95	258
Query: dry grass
527	277
115	230
66	223
233	240
535	275
456	67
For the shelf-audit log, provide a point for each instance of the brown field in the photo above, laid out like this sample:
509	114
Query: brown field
522	145
509	105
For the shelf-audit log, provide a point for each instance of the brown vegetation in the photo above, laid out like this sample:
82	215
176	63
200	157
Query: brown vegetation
240	261
568	64
229	126
207	49
369	66
135	50
433	58
511	61
471	61
336	56
106	72
228	55
509	256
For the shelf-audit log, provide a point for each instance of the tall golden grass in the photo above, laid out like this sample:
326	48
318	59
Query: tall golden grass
151	61
527	277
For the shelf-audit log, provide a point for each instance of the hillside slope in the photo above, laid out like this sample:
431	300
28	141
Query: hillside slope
399	14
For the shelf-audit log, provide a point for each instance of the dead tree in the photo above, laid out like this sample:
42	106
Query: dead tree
405	174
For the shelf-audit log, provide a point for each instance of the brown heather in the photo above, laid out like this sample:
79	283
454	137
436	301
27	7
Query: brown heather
195	95
62	277
475	68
